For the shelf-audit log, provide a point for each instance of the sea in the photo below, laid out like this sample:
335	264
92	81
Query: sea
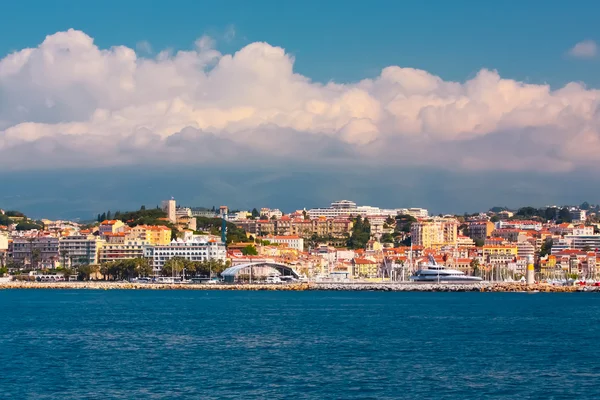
146	344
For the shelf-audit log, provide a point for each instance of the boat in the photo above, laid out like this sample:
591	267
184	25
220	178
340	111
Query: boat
432	272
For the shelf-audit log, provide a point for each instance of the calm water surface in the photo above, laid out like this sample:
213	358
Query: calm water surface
304	345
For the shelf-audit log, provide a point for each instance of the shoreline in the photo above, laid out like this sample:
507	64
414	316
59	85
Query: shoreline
332	286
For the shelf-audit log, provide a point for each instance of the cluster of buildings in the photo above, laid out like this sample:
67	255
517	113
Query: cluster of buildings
314	242
67	244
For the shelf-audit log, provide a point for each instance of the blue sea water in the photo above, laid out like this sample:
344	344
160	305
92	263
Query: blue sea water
302	345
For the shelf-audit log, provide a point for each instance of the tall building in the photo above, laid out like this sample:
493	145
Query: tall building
38	252
480	230
79	250
170	208
435	233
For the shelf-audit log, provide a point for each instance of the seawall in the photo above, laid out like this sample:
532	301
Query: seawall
387	287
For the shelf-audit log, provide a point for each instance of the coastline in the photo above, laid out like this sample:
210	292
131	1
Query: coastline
332	286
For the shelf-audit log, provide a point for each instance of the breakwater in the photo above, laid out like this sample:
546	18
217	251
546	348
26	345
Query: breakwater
387	287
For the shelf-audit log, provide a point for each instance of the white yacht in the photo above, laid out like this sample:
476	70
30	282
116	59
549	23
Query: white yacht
433	272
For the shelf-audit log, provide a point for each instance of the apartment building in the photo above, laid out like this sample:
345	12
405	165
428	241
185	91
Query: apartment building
38	252
125	250
152	234
111	226
480	230
435	233
196	249
79	250
501	255
292	241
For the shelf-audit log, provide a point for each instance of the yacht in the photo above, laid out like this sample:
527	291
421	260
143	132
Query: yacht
432	272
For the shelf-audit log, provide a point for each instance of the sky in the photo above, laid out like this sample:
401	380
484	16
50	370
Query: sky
455	106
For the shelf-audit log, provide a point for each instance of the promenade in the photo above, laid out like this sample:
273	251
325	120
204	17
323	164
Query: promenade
387	287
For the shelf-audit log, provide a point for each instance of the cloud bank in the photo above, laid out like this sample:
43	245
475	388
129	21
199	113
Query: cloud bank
69	103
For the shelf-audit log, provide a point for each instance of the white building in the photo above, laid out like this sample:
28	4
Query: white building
79	250
3	241
183	212
346	207
525	250
577	214
583	230
416	212
196	249
170	207
293	242
581	242
121	251
239	216
270	213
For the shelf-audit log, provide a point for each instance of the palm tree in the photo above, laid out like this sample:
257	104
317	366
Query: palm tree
64	254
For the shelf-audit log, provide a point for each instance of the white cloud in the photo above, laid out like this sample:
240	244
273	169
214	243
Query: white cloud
68	102
584	49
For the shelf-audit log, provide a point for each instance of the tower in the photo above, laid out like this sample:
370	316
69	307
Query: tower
169	207
530	274
223	214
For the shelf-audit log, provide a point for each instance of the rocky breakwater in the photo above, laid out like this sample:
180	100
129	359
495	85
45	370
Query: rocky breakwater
334	286
501	287
107	285
402	287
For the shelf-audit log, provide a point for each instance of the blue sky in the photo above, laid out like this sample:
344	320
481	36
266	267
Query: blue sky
341	41
417	117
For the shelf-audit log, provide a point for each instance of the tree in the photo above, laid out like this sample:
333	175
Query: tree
255	213
585	206
550	213
103	217
564	215
404	222
143	208
527	212
28	225
390	220
387	238
479	242
85	272
474	264
249	250
174	266
67	272
361	233
35	257
108	215
142	267
495	218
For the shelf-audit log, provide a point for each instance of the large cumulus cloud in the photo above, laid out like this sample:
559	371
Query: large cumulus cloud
68	102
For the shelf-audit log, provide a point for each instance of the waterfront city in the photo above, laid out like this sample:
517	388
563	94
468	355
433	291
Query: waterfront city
342	243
